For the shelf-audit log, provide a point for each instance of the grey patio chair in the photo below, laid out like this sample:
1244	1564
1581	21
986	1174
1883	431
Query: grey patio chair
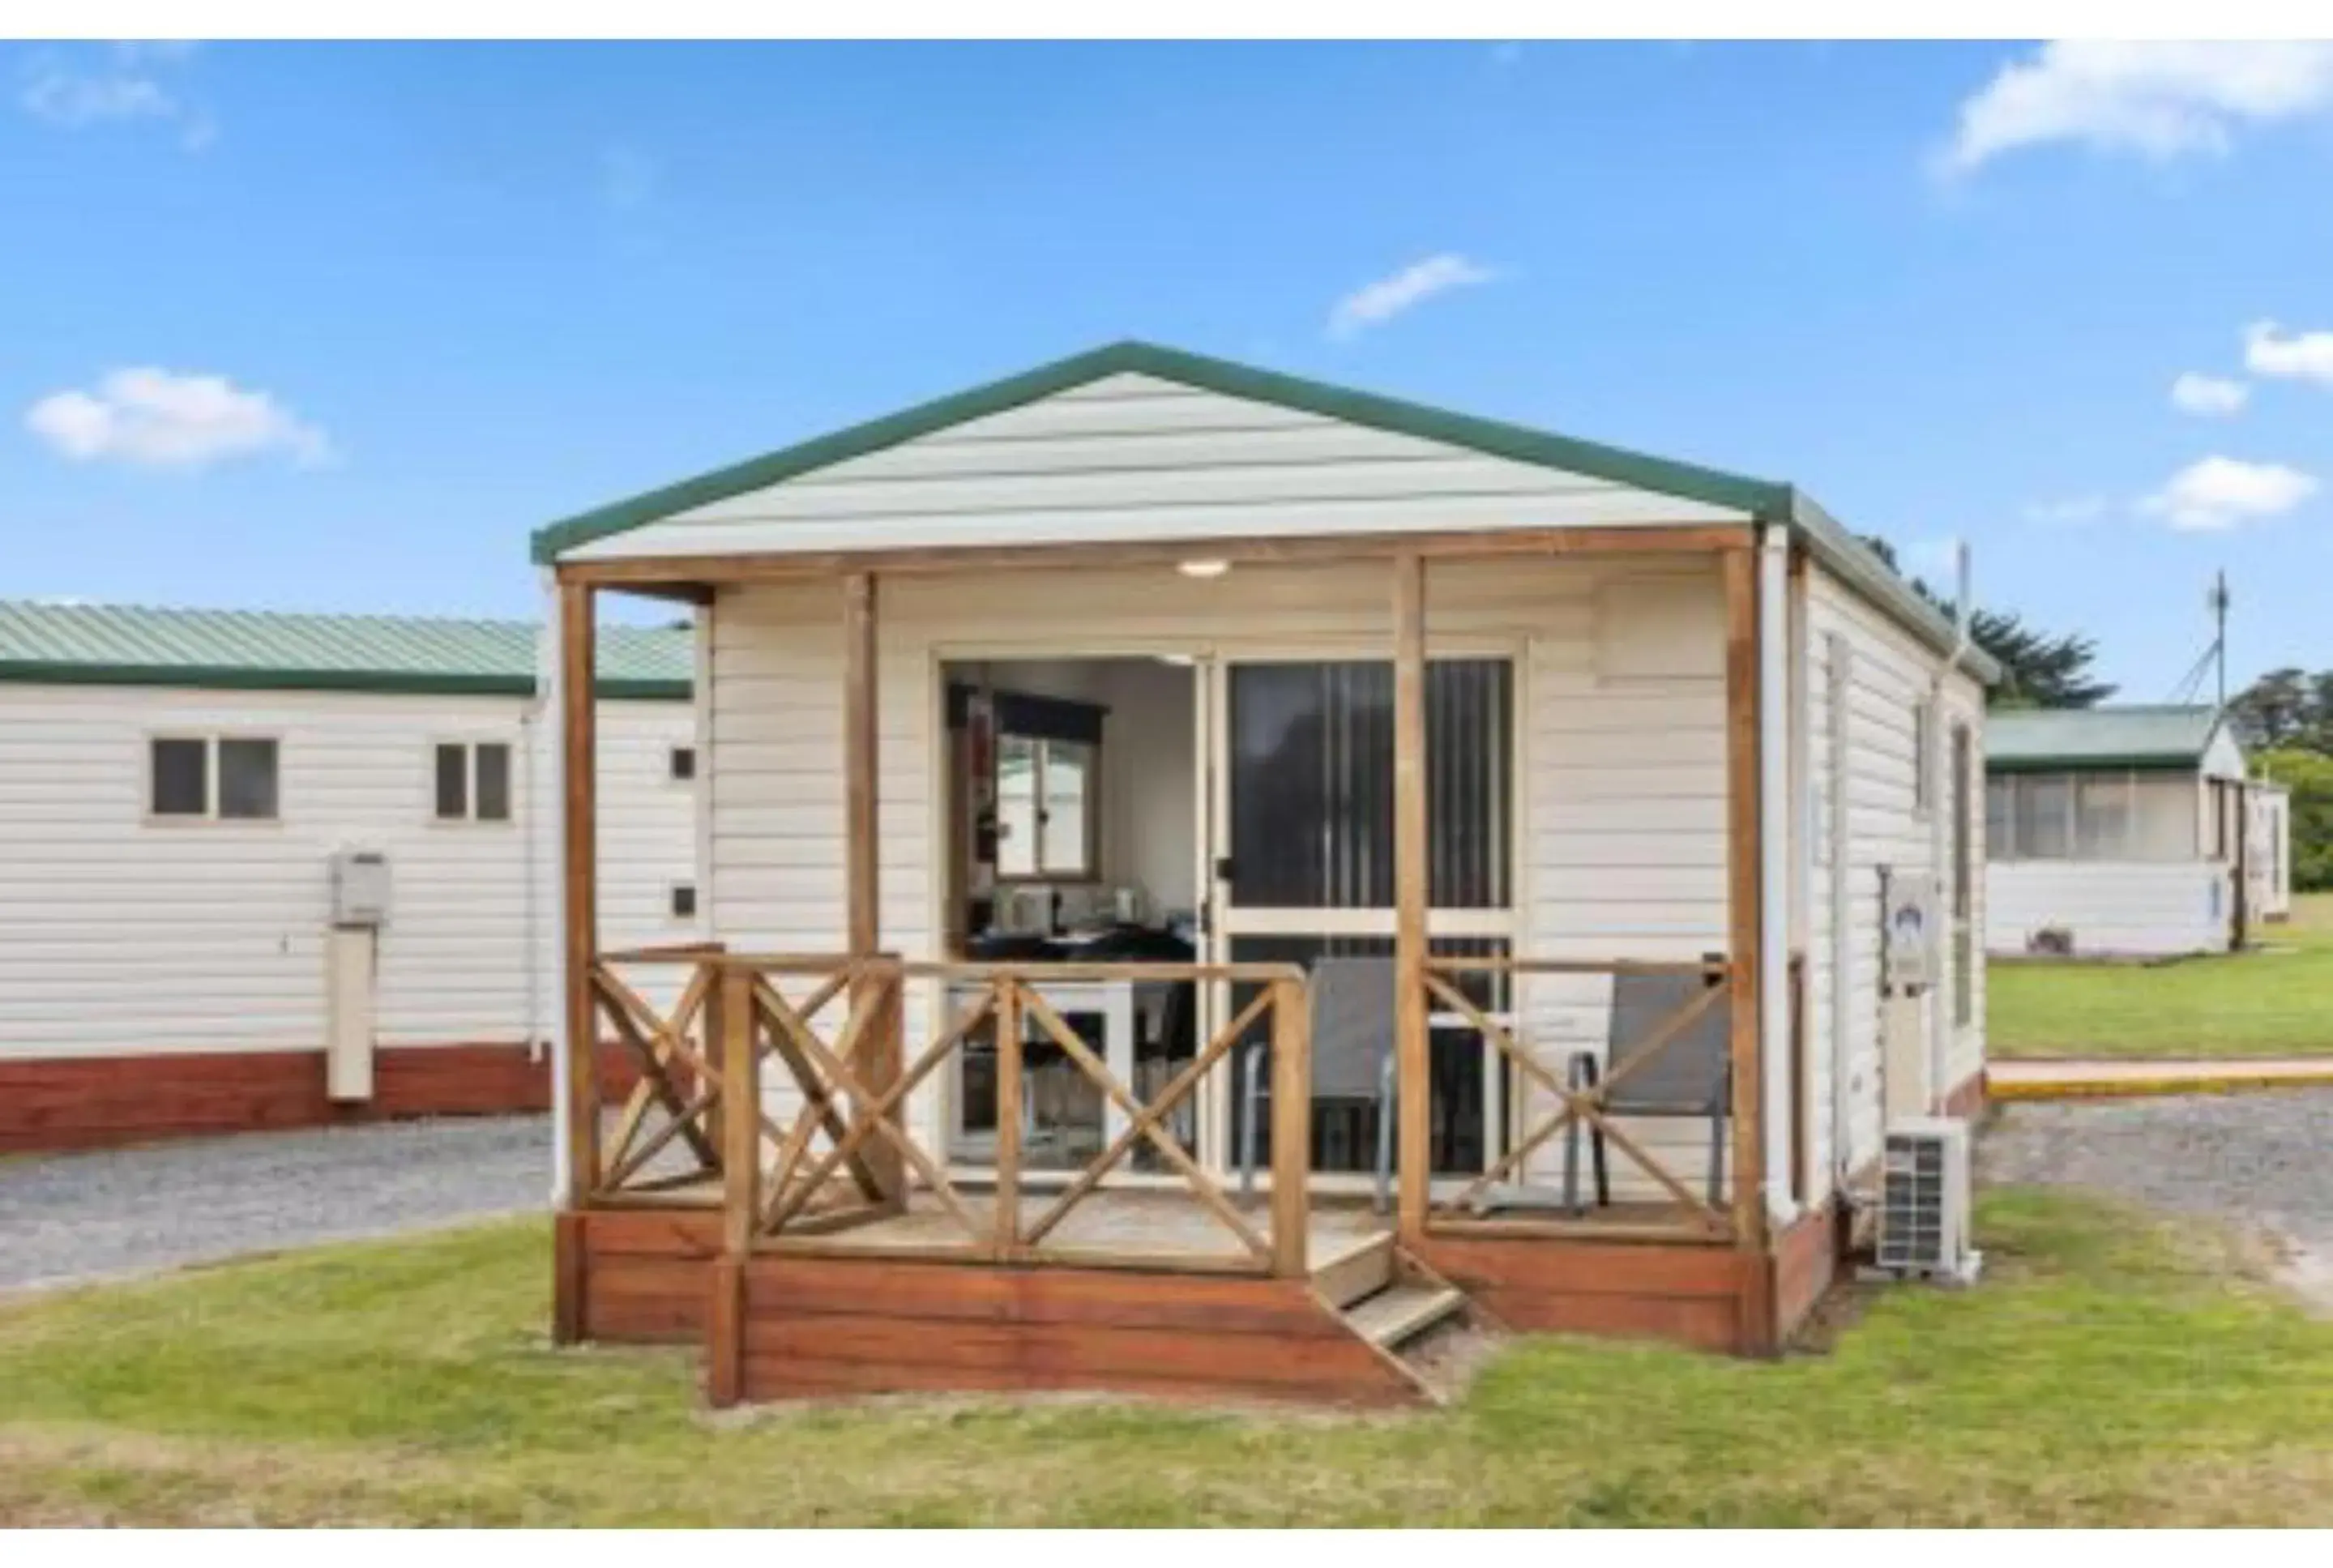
1690	1076
1352	1004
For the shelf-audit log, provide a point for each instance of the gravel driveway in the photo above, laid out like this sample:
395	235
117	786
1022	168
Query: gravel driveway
79	1216
2258	1159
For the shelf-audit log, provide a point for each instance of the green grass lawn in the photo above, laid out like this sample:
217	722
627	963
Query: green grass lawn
2108	1371
2274	1003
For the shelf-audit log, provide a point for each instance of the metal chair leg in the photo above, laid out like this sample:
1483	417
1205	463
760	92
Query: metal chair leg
1717	1143
1252	1093
1386	1112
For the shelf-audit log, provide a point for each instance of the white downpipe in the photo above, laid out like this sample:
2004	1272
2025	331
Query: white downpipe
551	815
1774	814
1941	1027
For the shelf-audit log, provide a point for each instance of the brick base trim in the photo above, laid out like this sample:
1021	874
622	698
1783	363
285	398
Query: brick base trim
64	1102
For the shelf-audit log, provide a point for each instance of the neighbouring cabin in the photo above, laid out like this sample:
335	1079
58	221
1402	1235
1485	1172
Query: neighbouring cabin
2129	832
268	871
1211	876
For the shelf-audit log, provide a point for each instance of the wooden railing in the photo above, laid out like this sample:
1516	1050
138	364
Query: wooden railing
1688	1214
823	1037
667	1135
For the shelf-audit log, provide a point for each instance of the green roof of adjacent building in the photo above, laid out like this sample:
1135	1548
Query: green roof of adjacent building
265	650
1764	499
2030	739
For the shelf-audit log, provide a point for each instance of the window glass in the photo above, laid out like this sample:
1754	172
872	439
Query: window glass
1312	784
1923	758
2042	813
1016	805
181	771
452	783
1067	771
246	778
2000	819
494	781
2102	818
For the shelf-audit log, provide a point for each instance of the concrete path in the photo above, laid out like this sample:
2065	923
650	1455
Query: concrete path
2070	1078
71	1218
2257	1161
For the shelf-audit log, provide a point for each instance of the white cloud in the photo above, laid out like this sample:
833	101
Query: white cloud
2208	396
2071	510
2304	356
159	418
2221	492
2159	100
1387	297
120	81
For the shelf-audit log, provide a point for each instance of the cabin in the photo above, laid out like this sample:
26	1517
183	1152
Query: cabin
269	870
2129	832
1213	877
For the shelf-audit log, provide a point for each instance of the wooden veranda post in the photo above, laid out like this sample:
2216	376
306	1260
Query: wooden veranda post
1744	861
1292	1132
580	858
882	1043
1413	1143
729	1034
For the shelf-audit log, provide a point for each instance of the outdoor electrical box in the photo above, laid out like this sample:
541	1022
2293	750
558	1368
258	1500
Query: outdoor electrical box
359	880
1907	935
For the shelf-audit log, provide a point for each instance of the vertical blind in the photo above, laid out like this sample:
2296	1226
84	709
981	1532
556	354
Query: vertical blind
1312	787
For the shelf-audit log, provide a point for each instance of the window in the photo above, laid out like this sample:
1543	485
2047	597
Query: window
182	769
683	763
182	778
473	781
2044	817
2100	815
1923	758
684	900
1045	807
1964	809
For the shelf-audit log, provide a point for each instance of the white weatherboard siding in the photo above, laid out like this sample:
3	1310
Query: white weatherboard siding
124	936
1620	827
2130	907
1137	457
1889	674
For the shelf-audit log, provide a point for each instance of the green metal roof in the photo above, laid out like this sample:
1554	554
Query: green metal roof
2030	740
1762	498
263	650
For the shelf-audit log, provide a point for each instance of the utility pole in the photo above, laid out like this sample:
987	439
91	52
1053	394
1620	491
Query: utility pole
2218	600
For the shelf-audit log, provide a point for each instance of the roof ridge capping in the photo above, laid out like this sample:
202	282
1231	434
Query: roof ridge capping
1767	500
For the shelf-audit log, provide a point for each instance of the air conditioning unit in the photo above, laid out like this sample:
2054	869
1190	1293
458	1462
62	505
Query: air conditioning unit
1924	1202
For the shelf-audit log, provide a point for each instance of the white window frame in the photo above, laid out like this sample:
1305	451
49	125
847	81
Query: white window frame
209	740
470	818
1041	749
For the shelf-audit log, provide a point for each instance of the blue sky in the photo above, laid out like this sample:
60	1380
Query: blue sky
411	302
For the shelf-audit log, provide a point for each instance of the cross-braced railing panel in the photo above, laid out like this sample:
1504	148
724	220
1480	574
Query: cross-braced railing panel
1597	1104
674	1102
841	1152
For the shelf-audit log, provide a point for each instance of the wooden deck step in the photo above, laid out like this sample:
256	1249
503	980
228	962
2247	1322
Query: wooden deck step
1355	1271
1401	1313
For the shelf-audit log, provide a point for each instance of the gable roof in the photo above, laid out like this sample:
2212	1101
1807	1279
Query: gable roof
264	650
2135	736
1764	499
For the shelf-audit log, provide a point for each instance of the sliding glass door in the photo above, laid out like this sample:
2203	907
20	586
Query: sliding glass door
1302	871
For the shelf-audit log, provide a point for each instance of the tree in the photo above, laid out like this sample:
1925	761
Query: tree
2308	777
2272	711
2037	669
